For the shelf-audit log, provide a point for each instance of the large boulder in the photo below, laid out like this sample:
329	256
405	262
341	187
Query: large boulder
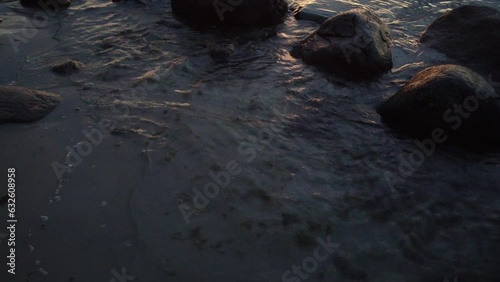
355	44
232	12
470	35
450	98
19	104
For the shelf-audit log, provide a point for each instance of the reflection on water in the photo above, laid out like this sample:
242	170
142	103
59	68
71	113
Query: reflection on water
326	168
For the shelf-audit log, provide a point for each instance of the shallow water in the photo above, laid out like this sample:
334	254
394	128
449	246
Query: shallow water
322	170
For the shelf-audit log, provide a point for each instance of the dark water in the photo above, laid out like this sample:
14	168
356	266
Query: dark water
322	170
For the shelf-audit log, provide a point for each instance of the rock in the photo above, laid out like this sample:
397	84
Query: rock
220	52
451	98
68	67
232	12
314	12
470	35
19	104
355	44
1	20
136	1
52	5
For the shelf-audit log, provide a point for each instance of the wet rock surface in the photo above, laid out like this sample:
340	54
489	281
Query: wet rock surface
355	44
67	68
470	35
448	98
19	104
52	5
314	13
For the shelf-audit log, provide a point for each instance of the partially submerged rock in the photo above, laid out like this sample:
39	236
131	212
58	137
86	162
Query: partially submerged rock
231	12
470	35
450	98
19	104
314	12
68	67
52	5
355	44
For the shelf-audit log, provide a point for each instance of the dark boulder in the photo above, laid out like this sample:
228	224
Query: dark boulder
315	12
451	98
470	35
232	12
67	68
355	44
52	5
19	104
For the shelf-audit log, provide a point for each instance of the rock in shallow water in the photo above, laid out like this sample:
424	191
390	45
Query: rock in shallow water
450	98
19	104
469	34
314	12
68	67
355	44
52	5
232	12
